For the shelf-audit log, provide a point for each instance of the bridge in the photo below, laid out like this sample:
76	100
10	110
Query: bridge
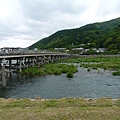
19	61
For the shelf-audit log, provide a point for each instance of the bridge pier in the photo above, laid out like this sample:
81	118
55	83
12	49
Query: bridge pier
52	58
10	64
3	76
3	73
34	60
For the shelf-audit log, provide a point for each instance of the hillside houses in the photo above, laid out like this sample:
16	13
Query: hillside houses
9	50
80	50
85	51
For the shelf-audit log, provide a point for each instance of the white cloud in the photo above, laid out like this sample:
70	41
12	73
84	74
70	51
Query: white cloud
23	22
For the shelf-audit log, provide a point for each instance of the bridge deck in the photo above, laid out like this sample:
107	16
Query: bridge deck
31	55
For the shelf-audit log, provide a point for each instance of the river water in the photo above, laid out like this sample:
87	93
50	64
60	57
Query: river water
93	84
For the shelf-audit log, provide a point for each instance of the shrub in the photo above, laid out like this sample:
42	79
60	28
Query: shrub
57	72
65	70
116	73
94	67
49	72
88	69
70	74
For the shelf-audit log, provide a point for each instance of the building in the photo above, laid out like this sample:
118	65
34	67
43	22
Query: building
9	50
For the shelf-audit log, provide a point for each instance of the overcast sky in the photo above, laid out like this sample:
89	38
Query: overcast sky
24	22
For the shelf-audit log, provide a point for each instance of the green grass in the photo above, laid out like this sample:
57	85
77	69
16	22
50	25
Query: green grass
55	69
106	63
70	74
116	73
60	109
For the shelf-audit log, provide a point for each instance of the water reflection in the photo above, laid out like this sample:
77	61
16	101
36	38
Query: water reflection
84	84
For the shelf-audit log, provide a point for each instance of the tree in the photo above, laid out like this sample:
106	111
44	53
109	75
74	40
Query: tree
114	51
112	47
108	42
92	45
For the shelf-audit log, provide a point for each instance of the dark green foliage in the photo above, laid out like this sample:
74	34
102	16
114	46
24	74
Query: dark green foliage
64	70
104	34
116	73
70	74
88	69
57	72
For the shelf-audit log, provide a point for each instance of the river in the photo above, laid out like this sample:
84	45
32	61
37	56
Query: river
93	84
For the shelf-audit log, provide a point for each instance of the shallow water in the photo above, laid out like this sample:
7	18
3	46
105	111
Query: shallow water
84	84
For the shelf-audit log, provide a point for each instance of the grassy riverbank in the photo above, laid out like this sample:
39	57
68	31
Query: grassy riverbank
60	109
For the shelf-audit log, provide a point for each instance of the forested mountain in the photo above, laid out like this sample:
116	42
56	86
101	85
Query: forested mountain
113	39
103	34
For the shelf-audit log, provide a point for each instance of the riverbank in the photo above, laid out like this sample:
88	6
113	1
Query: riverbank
60	109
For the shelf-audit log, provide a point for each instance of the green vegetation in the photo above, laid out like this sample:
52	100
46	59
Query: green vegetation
70	74
106	63
56	69
60	109
88	69
99	35
72	60
116	73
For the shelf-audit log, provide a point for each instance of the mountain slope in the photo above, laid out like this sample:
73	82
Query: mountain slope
92	33
113	39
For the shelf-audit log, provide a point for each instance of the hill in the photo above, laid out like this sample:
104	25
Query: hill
103	34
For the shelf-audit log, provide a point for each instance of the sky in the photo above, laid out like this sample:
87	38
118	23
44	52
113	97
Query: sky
24	22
